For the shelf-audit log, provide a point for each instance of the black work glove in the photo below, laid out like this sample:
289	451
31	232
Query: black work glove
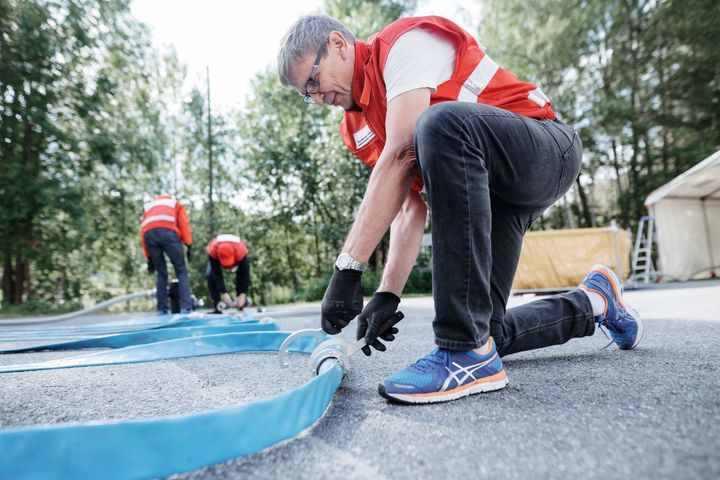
189	253
342	301
379	309
150	266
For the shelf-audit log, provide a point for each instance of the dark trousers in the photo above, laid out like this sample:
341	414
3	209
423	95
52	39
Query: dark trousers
216	282
489	173
161	242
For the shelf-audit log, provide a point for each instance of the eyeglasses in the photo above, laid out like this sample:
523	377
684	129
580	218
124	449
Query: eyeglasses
313	86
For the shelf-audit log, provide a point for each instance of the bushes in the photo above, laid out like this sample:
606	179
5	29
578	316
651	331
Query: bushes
420	281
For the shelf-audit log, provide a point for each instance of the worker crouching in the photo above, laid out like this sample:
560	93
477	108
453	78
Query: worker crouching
227	252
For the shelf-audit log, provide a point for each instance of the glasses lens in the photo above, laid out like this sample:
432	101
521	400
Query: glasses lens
308	99
312	87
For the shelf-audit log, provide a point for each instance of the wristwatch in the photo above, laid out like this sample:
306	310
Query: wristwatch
346	262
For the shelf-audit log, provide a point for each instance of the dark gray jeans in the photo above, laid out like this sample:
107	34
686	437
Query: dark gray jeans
489	173
160	242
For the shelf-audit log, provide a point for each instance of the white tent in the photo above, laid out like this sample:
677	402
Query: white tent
687	216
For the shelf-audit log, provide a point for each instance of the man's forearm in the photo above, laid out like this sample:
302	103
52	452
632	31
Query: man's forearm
406	234
387	189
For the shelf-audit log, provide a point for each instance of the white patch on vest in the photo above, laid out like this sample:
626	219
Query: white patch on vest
158	218
538	97
478	80
363	137
228	238
166	202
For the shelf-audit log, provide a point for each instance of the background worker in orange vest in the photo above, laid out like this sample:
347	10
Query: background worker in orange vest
165	228
230	253
426	106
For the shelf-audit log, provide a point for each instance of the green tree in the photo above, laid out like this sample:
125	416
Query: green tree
637	78
83	135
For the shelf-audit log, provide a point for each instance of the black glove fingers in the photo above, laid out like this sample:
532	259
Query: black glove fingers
329	327
378	345
361	328
387	336
373	328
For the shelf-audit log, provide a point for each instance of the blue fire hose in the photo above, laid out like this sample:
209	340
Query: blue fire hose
170	349
147	336
164	446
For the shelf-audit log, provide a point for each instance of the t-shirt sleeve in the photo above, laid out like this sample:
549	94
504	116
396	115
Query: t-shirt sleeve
418	59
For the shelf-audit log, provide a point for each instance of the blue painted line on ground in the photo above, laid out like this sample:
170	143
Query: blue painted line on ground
170	349
164	446
143	337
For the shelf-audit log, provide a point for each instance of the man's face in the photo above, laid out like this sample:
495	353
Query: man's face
333	76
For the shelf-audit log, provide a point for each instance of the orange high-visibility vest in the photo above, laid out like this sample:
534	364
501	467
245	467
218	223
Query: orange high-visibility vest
476	78
239	247
165	212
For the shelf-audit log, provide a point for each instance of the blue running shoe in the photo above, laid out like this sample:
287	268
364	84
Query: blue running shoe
445	375
623	323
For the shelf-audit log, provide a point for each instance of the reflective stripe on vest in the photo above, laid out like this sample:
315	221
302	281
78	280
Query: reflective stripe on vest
158	218
538	97
228	238
363	137
478	80
165	202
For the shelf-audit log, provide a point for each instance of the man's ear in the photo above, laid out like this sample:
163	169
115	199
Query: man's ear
339	43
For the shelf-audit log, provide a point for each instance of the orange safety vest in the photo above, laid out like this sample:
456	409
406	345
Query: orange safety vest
165	212
238	246
476	78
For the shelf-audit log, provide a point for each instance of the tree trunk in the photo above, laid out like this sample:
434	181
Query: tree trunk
634	29
569	218
8	280
585	214
665	104
318	257
291	262
22	276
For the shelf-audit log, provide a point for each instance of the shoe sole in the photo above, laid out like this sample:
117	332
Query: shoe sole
488	384
617	287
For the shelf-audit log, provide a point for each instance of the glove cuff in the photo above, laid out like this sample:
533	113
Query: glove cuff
348	273
387	296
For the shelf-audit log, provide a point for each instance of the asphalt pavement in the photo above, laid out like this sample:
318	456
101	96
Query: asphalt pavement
570	411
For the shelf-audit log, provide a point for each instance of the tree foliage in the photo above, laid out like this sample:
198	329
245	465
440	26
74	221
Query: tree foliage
637	78
93	121
81	135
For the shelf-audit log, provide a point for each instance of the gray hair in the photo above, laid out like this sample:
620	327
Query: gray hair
307	35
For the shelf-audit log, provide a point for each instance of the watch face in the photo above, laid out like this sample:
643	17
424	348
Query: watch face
343	260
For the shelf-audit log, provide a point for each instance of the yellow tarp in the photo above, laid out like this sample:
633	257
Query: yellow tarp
561	258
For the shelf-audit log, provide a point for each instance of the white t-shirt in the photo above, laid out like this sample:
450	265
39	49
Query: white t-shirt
419	58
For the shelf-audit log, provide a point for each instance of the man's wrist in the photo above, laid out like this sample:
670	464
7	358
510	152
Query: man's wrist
386	288
391	283
345	261
348	273
387	294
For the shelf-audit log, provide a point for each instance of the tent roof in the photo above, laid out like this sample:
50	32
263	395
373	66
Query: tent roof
700	182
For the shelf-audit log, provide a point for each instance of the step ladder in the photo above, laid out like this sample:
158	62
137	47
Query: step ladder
642	264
